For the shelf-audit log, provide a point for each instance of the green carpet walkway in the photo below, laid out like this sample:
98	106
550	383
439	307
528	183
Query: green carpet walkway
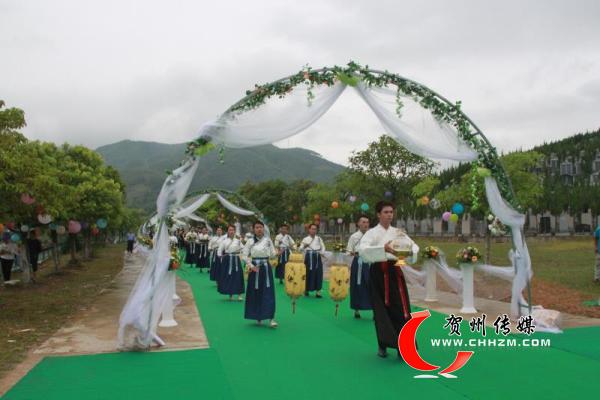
313	355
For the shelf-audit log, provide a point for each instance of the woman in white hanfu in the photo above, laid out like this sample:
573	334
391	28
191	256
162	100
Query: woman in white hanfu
284	244
233	277
314	249
360	298
260	291
389	294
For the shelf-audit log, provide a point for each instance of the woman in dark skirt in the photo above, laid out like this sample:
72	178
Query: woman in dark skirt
260	291
213	247
284	243
190	254
314	250
232	281
203	260
359	270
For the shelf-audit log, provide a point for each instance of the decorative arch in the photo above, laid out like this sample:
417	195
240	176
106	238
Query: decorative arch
392	98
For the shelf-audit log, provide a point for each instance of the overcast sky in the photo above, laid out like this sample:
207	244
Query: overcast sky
96	72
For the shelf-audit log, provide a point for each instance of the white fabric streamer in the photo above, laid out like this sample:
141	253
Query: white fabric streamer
520	258
417	130
232	207
196	204
139	319
276	120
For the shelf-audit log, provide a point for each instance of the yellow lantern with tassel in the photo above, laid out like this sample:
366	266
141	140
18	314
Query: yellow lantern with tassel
295	281
339	284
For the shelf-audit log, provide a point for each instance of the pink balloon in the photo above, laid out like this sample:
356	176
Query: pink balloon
446	215
74	227
27	199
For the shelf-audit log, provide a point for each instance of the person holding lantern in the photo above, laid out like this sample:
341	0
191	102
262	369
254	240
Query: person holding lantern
359	270
232	281
260	291
203	255
314	249
387	285
284	243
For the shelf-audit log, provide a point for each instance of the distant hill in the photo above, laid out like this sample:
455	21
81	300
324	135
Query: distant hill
142	166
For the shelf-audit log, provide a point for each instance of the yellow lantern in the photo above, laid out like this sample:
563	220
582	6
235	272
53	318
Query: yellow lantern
295	281
297	258
339	284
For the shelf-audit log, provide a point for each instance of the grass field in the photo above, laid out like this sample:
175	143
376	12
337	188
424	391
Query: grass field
29	314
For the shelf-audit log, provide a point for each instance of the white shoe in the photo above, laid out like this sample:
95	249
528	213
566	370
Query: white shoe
273	324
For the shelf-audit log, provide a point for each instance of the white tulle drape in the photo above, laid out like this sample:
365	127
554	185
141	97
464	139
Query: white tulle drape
139	319
452	277
417	129
196	204
232	207
276	120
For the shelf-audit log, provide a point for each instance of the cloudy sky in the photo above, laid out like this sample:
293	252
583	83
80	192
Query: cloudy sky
96	72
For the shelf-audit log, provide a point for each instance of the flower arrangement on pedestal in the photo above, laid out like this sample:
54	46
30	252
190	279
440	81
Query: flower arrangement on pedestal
175	260
468	255
430	252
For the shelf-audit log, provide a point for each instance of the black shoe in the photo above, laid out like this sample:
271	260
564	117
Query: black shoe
318	296
281	281
382	352
356	315
306	294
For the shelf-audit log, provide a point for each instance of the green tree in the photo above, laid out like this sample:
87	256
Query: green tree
393	167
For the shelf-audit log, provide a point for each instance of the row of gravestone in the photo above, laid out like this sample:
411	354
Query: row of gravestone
546	223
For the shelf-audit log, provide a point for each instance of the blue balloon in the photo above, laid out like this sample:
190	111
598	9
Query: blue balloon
53	226
101	223
15	237
458	208
364	207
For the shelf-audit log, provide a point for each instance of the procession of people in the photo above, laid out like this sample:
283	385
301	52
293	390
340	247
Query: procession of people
241	267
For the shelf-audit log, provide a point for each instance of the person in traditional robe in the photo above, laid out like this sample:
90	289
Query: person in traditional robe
314	249
360	298
215	265
284	245
190	254
213	246
229	250
387	285
203	254
260	290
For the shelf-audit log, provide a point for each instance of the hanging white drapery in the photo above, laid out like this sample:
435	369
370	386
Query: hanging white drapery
520	258
196	204
139	319
452	277
417	129
232	207
278	119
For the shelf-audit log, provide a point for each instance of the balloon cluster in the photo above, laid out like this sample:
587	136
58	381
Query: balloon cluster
457	210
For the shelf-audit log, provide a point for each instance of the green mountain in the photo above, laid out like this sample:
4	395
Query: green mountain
142	166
